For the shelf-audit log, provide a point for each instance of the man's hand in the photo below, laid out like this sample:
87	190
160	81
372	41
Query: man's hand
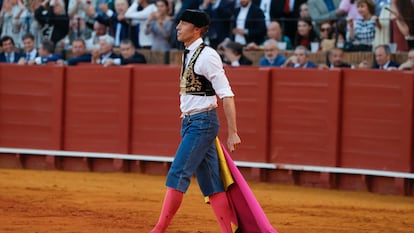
233	141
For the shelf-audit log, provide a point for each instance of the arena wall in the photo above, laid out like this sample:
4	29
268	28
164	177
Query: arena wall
345	129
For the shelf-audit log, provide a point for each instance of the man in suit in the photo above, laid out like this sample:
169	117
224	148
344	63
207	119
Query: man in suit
129	55
287	12
300	59
79	54
29	50
249	24
220	12
383	58
8	55
335	59
106	44
46	54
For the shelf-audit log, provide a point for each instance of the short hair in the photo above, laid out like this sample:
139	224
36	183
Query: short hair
270	42
235	47
79	40
28	36
370	5
386	47
48	45
128	42
6	38
108	39
301	47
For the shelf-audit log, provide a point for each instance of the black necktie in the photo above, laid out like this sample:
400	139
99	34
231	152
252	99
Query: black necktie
186	51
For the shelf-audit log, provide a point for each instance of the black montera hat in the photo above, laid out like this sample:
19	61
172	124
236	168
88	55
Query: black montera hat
196	17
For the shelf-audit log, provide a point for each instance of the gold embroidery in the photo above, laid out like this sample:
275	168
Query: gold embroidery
189	82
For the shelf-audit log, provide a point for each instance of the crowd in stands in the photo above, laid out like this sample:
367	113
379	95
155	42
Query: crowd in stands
109	32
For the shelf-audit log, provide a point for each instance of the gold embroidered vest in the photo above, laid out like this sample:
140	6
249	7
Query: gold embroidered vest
192	83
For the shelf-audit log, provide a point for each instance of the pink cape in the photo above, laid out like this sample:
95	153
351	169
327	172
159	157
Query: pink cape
249	213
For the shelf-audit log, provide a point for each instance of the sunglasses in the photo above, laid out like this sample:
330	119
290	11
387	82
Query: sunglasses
325	29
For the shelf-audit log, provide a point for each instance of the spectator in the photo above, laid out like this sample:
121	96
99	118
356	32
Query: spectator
403	11
79	54
116	21
141	16
53	20
271	54
233	55
325	36
220	13
287	12
300	59
383	58
304	10
98	30
12	17
160	25
29	50
249	24
46	54
350	9
363	34
305	33
106	45
274	31
323	10
335	59
129	55
8	54
409	64
83	11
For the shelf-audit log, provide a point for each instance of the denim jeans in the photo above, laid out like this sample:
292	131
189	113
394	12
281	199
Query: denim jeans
197	155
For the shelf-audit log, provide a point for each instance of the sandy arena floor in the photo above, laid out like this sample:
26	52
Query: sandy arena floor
74	202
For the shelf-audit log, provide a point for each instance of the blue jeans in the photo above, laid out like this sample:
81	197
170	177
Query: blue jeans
197	155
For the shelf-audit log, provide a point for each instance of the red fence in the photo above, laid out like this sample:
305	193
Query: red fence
339	118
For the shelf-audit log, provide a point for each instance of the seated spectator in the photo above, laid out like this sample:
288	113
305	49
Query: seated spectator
383	58
409	64
53	20
363	34
8	54
274	31
305	33
300	59
105	51
29	50
233	55
335	59
271	54
160	25
99	30
79	54
46	54
129	55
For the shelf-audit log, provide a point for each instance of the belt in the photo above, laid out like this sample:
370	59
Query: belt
193	112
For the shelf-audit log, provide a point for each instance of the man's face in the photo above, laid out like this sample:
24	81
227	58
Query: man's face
121	7
99	29
7	46
381	57
104	47
186	31
301	57
42	52
274	31
244	3
270	51
28	44
127	51
78	48
336	57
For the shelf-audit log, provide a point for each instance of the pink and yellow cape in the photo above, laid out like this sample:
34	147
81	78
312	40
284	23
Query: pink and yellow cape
248	214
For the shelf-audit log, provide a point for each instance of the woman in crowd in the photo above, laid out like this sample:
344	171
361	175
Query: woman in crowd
305	33
160	25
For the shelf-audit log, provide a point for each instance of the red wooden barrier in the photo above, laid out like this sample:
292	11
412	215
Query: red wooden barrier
377	127
30	112
97	113
304	119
